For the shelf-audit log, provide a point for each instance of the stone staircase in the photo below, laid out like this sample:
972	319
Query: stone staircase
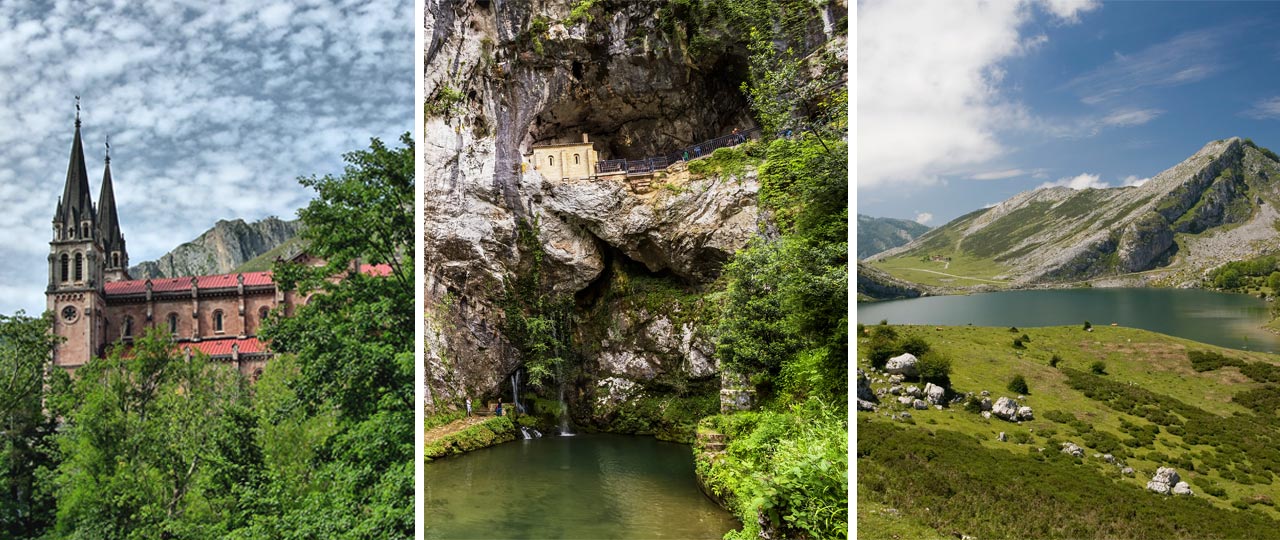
712	443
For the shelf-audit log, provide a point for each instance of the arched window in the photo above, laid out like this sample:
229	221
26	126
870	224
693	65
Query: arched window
551	160
575	159
217	321
173	323
115	260
128	327
262	314
84	230
65	264
79	267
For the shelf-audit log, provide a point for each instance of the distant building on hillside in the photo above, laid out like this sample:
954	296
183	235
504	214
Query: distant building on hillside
96	303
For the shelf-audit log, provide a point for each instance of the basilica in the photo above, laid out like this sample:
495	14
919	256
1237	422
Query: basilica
97	304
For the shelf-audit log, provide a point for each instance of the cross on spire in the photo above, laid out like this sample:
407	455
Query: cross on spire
108	149
77	110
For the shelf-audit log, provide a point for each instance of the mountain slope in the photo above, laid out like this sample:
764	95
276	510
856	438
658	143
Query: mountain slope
221	249
1215	206
878	234
1150	405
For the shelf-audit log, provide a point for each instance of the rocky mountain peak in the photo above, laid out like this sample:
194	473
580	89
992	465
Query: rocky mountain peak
219	250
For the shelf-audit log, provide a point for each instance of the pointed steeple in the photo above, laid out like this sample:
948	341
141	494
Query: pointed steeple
76	205
108	221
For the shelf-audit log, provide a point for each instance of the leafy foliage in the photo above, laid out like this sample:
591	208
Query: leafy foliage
26	453
1018	384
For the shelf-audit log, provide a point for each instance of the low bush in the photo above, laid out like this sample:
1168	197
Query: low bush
1018	385
1098	368
1054	361
1208	360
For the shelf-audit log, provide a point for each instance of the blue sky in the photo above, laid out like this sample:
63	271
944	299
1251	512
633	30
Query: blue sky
213	110
962	105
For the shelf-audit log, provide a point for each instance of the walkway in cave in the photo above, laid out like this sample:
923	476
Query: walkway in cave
657	163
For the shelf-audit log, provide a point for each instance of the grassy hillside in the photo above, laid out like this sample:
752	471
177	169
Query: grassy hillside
946	471
263	262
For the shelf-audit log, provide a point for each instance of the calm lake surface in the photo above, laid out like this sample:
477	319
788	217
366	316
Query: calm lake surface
588	486
1228	320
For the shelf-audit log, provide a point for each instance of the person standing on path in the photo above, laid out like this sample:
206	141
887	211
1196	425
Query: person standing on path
468	406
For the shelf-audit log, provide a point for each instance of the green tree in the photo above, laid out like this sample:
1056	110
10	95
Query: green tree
26	346
155	445
347	388
1273	282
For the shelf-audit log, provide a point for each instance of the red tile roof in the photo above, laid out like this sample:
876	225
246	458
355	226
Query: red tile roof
377	270
178	284
222	346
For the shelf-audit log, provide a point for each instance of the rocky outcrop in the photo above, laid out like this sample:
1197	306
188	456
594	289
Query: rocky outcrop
1143	241
935	394
1164	480
1072	449
879	285
220	250
1008	409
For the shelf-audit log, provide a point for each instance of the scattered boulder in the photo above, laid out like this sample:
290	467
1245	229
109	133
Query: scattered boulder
914	391
906	400
920	404
986	403
1005	408
986	414
1108	458
895	390
864	405
905	415
864	388
1181	488
1024	413
939	407
1127	471
1164	480
880	392
934	393
895	379
1073	449
985	393
904	364
1001	437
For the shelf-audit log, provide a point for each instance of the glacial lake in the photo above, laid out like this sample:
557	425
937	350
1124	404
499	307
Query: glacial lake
1227	320
588	486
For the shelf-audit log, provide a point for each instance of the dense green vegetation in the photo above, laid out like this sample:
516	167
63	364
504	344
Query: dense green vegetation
487	433
155	443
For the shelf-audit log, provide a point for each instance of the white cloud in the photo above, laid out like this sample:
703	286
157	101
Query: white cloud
1265	109
999	175
928	74
1188	57
924	218
1133	180
1131	117
1080	181
197	133
1070	10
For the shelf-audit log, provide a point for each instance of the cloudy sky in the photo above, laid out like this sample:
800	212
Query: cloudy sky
213	110
964	104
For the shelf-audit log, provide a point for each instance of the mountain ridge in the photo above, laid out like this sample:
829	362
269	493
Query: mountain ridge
1215	206
221	249
876	235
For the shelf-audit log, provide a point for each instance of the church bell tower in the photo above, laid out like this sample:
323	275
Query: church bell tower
86	250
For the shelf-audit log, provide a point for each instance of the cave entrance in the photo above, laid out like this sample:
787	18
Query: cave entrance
635	108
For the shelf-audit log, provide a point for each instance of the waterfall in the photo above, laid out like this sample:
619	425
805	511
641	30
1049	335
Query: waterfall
515	391
529	433
564	414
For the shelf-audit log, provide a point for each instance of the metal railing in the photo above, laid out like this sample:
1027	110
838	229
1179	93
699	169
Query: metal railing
658	163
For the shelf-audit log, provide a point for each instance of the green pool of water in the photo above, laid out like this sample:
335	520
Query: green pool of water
589	486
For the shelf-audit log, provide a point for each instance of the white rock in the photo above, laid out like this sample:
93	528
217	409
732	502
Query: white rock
914	391
1181	488
904	364
864	405
1005	408
986	414
920	404
1001	437
1164	480
906	400
1073	449
1024	413
934	393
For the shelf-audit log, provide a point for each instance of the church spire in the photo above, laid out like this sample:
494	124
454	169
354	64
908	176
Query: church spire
109	222
76	205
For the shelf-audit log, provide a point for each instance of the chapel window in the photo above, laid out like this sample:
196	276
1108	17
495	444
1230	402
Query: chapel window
217	321
65	264
79	267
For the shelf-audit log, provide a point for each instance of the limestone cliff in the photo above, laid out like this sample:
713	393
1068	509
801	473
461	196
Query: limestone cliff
228	245
639	81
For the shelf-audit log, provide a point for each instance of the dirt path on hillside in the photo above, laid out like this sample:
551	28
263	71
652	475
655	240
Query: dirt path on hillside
439	432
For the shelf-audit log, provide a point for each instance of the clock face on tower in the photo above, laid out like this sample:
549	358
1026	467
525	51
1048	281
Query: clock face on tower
69	314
